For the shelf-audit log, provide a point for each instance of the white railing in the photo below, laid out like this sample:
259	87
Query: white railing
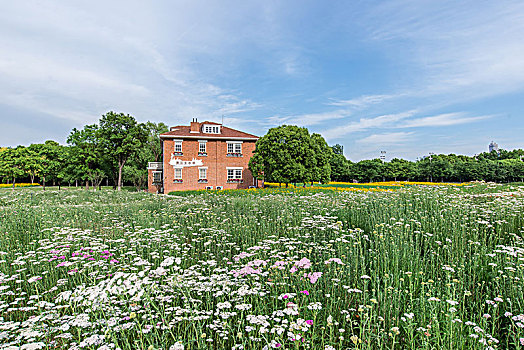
155	165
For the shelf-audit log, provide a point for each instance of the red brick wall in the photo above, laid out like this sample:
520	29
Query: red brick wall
216	162
150	187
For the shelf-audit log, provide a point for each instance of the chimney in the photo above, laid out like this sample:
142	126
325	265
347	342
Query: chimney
195	126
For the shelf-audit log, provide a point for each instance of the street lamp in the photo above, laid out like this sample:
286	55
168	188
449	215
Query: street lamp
383	159
383	156
430	169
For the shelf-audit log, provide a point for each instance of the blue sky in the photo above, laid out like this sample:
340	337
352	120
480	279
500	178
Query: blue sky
407	77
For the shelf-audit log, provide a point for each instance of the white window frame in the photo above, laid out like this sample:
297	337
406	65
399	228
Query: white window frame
156	173
234	147
179	175
236	173
178	143
200	144
212	129
200	173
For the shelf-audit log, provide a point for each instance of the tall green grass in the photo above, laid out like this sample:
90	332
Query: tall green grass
418	268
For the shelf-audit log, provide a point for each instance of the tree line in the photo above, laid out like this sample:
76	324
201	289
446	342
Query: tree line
118	148
289	154
115	149
502	166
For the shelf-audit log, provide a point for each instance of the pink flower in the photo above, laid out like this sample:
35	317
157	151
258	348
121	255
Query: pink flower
291	305
246	270
114	261
257	263
313	277
309	322
280	265
335	260
304	292
285	297
521	341
303	263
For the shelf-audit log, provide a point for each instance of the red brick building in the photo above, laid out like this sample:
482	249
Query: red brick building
203	156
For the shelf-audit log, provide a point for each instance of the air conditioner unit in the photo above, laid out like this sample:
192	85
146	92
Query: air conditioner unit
220	187
209	187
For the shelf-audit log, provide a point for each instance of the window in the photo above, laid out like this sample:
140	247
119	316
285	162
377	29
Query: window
157	177
211	129
202	173
234	147
178	173
202	147
234	175
178	146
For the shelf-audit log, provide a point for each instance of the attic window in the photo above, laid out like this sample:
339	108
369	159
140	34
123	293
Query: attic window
212	129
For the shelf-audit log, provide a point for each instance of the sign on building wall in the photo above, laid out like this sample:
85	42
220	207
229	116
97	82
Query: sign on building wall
179	163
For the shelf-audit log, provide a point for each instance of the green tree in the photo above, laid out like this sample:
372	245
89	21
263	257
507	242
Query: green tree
87	154
153	144
283	155
120	137
51	159
320	168
32	162
397	169
369	169
135	170
339	167
11	163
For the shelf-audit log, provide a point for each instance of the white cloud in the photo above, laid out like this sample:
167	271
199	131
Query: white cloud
445	119
362	101
366	124
308	119
387	138
467	50
76	61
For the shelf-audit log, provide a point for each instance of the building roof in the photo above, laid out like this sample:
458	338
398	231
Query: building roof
184	132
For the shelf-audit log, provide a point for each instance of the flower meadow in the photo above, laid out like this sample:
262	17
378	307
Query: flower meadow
421	267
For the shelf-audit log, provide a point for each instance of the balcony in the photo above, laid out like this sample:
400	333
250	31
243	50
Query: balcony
155	165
